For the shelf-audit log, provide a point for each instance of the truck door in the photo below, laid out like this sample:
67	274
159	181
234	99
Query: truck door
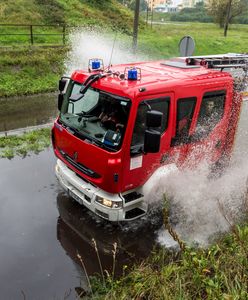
139	166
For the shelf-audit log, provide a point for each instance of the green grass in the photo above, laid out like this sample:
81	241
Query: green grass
30	70
219	272
30	142
163	40
108	13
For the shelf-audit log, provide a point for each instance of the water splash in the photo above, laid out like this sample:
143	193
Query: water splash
202	207
93	43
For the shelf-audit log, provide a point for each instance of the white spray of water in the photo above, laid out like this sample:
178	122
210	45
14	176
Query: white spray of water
203	207
89	44
200	207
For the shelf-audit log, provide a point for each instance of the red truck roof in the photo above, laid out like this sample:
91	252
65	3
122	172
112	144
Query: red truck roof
155	75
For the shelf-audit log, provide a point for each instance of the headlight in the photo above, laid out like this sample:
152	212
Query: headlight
57	168
109	203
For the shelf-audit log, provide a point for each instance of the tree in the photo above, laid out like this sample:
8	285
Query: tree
136	25
223	11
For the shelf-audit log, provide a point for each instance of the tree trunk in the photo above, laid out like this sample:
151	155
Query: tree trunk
227	17
136	25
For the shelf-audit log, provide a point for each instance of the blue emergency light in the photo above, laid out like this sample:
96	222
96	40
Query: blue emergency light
95	64
132	74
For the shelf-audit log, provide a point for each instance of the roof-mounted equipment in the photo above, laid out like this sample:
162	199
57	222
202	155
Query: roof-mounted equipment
220	61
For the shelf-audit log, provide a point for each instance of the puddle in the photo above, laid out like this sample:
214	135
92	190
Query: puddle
77	227
26	111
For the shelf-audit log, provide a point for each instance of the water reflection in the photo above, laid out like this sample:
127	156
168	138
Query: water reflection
77	227
25	111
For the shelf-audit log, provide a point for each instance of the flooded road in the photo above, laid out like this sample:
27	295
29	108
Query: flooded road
25	111
41	232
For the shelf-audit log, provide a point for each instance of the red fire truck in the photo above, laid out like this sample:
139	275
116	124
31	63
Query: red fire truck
119	127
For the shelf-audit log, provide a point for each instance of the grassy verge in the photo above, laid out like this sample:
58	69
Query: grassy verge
30	70
33	142
108	13
219	272
162	40
33	70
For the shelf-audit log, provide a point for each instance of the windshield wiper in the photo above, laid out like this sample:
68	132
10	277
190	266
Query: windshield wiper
84	114
85	117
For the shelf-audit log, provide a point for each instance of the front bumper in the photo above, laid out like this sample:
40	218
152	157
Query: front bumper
86	194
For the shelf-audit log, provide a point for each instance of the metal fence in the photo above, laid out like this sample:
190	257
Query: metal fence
32	32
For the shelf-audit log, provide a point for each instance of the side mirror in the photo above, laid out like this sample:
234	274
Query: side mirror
152	141
62	84
60	101
153	118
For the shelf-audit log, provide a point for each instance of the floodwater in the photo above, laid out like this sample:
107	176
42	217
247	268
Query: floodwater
26	111
42	231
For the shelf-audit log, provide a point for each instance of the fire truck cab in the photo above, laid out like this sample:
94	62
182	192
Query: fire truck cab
117	129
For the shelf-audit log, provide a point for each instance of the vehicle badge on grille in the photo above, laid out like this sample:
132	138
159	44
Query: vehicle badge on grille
75	156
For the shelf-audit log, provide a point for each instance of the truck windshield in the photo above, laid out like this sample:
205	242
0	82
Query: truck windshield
98	117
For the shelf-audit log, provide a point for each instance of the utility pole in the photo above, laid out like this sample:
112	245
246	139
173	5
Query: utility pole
136	25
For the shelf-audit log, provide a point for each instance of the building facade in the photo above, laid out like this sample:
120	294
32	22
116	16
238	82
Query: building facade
154	3
166	5
191	3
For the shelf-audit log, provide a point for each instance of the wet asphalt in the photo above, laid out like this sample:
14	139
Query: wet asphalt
42	231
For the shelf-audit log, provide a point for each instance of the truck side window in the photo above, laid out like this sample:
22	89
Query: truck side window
185	112
211	112
161	105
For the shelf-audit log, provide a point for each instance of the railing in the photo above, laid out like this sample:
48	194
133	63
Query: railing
36	34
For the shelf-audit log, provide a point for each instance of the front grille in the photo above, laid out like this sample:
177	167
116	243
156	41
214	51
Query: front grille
102	214
134	213
79	166
132	196
87	198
